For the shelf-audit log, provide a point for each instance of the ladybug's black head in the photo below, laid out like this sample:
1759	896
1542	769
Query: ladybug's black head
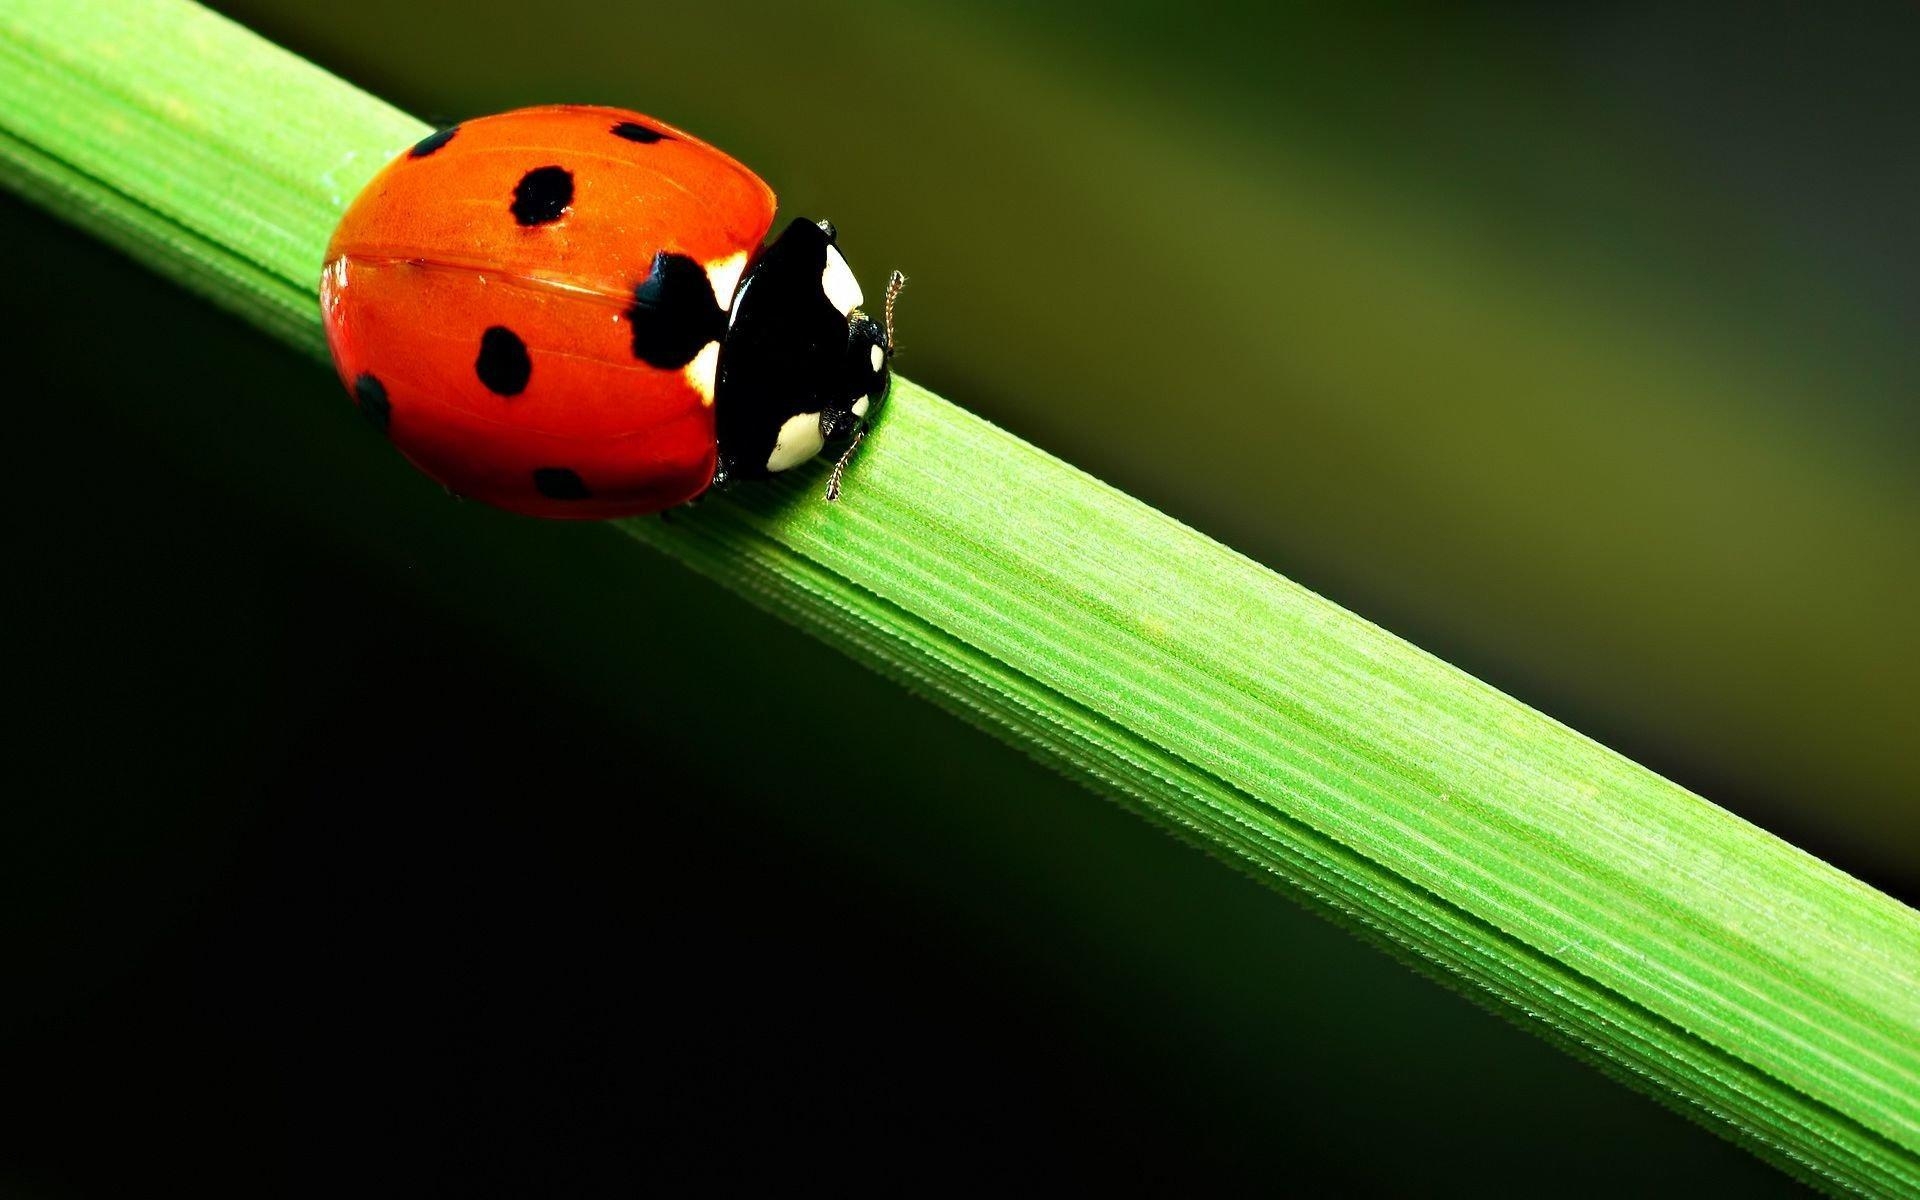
864	375
801	365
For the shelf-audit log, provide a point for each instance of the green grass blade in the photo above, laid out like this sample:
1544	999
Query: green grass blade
1677	946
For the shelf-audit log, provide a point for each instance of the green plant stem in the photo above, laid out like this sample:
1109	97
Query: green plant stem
1673	944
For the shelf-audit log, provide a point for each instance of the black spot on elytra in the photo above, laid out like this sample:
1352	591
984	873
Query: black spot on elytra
542	195
634	131
371	395
433	141
503	364
674	313
559	483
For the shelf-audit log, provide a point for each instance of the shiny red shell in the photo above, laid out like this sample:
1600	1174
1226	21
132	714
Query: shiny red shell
468	266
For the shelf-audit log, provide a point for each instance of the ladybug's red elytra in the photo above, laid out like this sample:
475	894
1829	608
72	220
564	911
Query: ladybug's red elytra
568	311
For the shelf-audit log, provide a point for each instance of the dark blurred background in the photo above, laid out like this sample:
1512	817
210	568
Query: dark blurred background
360	840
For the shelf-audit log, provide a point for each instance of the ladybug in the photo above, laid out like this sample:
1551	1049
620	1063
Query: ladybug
567	311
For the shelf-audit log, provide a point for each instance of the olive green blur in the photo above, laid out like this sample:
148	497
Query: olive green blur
1574	344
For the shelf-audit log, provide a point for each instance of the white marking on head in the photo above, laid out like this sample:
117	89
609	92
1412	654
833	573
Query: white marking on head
837	281
876	356
724	275
860	406
799	441
700	371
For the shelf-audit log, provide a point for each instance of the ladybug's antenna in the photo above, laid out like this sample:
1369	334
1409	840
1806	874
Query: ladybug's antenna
894	283
840	468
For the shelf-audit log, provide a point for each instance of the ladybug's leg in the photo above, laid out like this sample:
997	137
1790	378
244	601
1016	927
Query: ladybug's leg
722	480
840	468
